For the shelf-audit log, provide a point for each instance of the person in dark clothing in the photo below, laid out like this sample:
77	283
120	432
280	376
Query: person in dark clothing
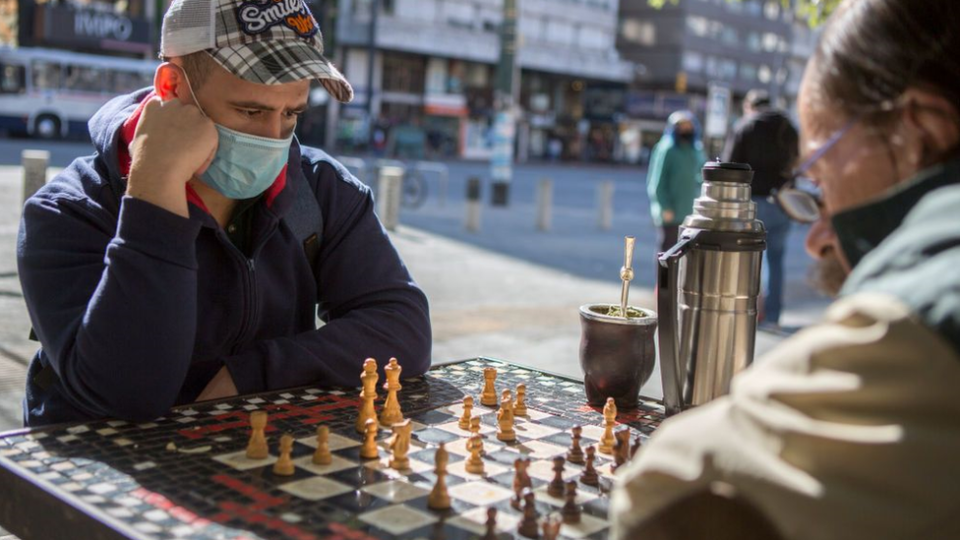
169	268
766	140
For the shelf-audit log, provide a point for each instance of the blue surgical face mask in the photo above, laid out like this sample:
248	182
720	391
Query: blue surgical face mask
244	165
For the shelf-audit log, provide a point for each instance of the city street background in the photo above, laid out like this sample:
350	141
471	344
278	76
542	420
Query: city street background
508	291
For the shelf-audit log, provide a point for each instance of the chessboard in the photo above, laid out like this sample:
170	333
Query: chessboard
186	475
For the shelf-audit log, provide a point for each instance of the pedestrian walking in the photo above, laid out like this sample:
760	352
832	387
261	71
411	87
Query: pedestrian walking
673	179
766	140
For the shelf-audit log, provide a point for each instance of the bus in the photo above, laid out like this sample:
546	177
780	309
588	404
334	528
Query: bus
49	93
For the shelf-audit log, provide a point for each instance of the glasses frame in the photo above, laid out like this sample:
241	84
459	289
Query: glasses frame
778	196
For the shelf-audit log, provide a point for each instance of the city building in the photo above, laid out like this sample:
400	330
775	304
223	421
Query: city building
430	83
686	48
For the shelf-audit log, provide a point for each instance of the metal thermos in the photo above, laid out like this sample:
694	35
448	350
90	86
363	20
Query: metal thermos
708	286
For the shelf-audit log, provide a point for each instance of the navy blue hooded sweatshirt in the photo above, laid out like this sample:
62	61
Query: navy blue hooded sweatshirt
137	308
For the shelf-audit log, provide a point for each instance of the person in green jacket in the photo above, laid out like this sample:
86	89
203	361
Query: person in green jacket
673	179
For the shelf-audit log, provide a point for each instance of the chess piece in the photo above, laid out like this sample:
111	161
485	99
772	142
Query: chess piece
322	456
520	407
439	499
284	465
610	411
590	476
551	527
555	487
521	480
391	413
575	455
609	420
528	526
491	525
467	410
474	463
489	395
621	451
400	445
637	443
369	378
257	447
475	430
369	449
505	430
571	510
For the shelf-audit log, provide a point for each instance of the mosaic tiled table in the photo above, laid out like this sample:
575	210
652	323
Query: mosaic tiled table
186	475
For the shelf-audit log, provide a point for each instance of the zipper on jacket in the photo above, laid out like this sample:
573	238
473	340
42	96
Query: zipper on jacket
250	299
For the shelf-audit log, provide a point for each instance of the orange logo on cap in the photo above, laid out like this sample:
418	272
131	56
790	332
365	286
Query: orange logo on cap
302	24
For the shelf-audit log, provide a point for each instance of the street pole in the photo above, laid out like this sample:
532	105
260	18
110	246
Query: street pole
504	126
371	59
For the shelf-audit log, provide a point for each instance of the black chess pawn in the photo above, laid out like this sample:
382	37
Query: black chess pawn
555	487
571	510
589	476
575	455
528	526
491	525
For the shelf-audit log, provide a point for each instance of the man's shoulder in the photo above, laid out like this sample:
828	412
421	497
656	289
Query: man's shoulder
81	183
328	171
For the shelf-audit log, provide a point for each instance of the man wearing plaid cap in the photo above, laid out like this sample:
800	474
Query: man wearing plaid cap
169	267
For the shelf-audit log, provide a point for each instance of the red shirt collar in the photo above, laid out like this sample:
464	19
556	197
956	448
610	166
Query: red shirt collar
129	128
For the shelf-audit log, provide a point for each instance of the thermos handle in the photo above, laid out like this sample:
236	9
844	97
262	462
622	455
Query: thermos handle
668	336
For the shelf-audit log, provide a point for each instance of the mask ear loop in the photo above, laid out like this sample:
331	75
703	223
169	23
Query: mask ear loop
192	93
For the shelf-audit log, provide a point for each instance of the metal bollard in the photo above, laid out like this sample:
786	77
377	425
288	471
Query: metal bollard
473	204
34	171
544	205
388	196
605	205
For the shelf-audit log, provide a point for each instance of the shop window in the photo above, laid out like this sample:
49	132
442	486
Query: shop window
46	75
12	79
403	73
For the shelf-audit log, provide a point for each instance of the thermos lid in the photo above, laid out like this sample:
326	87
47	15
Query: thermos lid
738	173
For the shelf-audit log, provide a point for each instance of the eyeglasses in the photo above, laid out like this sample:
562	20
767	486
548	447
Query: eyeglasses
803	204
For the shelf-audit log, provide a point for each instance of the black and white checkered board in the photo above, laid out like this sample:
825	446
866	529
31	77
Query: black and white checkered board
185	475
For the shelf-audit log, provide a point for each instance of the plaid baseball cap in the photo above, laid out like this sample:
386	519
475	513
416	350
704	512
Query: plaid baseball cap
261	41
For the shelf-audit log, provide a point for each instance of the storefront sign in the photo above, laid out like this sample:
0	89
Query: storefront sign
65	26
445	105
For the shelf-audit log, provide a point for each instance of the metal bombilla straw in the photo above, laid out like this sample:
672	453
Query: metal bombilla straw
626	273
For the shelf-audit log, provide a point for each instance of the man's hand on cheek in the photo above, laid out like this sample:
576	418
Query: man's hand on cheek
221	386
172	142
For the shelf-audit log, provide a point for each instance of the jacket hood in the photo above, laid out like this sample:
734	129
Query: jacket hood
105	127
669	133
